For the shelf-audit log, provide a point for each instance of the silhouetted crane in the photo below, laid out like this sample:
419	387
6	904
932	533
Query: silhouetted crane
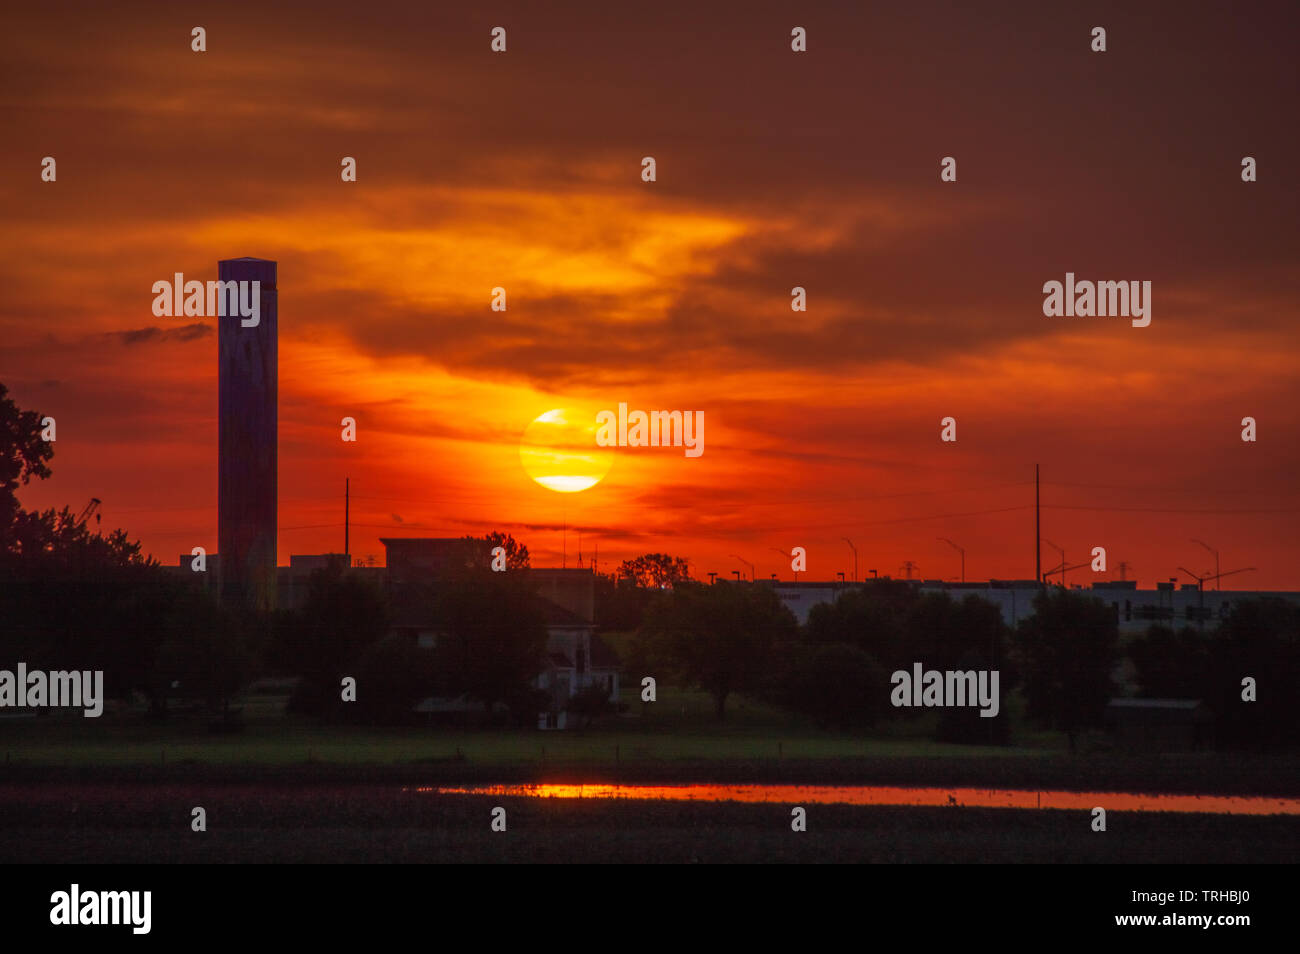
89	509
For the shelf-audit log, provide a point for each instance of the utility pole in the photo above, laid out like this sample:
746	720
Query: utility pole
347	513
855	557
1038	534
1124	567
908	567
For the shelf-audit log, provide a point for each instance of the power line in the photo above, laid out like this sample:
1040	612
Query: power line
1167	509
1155	489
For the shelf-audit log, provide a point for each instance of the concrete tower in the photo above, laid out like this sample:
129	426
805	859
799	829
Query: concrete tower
247	389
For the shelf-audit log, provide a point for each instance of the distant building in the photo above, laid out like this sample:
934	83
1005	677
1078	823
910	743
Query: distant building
1135	609
415	559
574	658
292	582
1159	725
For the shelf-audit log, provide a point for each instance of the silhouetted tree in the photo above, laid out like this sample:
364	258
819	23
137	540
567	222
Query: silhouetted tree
479	551
621	603
493	636
342	616
1172	665
204	654
1067	651
837	684
23	455
871	617
655	570
1260	639
965	724
720	637
392	675
591	702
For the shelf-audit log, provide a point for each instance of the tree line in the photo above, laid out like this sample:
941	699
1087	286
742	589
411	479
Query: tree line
73	599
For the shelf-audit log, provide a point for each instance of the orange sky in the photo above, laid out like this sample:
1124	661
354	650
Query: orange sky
774	170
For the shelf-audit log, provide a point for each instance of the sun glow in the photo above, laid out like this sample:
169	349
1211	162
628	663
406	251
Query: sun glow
559	451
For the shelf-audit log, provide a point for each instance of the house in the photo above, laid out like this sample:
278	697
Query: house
575	658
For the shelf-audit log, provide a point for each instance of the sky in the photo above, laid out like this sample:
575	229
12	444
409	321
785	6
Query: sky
775	169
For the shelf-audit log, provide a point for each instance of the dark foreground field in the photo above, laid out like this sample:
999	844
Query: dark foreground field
124	822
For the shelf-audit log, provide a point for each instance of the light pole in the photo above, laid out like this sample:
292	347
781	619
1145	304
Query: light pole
1200	587
783	553
752	574
855	557
963	556
1062	552
1217	584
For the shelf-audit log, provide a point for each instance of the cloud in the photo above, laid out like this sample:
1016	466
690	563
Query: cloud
155	335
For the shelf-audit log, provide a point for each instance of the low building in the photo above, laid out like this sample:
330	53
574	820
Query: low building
1159	725
1135	610
575	659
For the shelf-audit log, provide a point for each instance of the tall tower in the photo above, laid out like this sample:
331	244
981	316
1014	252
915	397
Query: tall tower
248	383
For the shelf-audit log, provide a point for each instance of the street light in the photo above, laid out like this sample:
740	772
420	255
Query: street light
1060	551
752	574
784	554
1217	584
855	557
963	556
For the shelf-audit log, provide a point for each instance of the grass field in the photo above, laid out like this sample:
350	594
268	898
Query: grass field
289	789
674	739
680	725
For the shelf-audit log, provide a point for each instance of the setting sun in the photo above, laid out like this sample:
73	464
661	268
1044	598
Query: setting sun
559	451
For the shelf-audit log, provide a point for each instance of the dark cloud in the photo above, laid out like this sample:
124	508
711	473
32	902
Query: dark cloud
155	335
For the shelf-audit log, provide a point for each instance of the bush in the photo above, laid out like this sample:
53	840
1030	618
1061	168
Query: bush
591	702
838	685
